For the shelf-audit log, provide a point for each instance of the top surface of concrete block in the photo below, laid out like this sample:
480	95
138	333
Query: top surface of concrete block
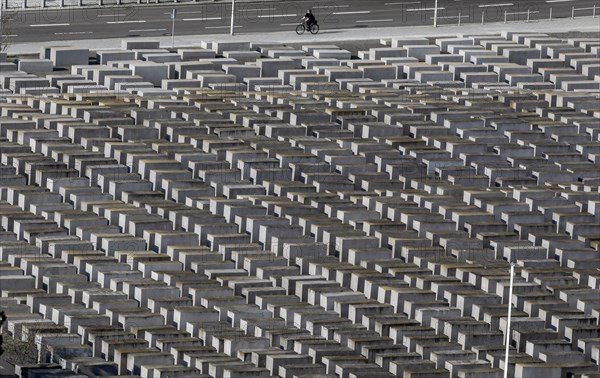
136	44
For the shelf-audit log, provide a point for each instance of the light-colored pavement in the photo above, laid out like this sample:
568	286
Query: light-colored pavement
588	24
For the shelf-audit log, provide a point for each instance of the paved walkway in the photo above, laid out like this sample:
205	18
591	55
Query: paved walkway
560	25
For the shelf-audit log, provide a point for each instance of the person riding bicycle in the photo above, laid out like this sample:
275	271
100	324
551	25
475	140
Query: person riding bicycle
309	18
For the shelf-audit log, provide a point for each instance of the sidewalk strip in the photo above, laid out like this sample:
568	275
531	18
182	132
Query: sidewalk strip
202	19
355	12
386	20
145	30
126	22
423	9
223	27
495	5
44	25
69	33
276	15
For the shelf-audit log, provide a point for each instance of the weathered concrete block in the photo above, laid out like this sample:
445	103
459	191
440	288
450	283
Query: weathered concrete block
271	67
580	85
162	57
241	71
105	56
242	56
445	43
195	54
154	73
402	42
379	73
437	58
331	54
16	83
521	55
220	47
135	44
7	67
35	65
433	76
380	52
65	56
209	78
421	51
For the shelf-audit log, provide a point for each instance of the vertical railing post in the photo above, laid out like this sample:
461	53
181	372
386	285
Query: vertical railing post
232	25
508	337
550	14
435	14
572	13
173	14
459	17
1	33
482	17
505	16
594	11
528	15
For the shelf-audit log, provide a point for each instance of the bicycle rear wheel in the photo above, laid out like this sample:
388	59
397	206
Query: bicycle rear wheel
300	29
314	29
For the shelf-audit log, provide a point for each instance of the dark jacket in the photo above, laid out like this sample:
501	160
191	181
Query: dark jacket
310	17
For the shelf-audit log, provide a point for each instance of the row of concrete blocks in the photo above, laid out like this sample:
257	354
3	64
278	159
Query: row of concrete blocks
75	162
147	170
333	241
361	85
325	75
489	172
529	149
522	75
109	268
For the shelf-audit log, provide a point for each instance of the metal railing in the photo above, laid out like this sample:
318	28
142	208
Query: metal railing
459	18
33	4
528	13
593	9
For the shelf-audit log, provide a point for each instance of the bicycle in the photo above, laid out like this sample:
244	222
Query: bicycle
300	29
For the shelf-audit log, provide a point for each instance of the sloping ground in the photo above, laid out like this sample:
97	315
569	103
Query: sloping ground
246	209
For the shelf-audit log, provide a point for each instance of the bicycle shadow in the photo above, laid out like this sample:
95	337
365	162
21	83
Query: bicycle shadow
329	31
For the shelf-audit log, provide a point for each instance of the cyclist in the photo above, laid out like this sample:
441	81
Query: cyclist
310	19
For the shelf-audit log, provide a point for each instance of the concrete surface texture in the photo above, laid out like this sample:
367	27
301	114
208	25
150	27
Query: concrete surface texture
233	208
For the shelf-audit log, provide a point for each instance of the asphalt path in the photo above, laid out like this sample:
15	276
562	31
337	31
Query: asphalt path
56	24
